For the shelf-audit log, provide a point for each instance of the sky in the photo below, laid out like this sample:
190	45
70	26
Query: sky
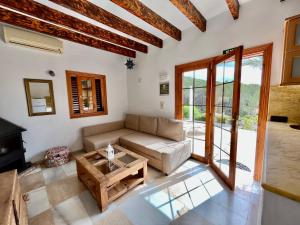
250	75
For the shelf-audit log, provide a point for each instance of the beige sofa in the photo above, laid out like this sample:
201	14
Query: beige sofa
160	140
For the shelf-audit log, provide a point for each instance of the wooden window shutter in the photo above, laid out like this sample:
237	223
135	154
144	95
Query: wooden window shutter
75	96
99	104
87	94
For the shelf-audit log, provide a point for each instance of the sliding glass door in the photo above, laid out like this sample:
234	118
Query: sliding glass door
225	113
194	113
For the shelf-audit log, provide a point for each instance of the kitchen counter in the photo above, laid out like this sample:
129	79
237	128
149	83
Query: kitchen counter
282	161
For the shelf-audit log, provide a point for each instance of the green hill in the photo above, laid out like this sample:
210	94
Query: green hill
249	102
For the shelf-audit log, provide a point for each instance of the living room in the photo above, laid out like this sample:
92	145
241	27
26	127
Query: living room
140	80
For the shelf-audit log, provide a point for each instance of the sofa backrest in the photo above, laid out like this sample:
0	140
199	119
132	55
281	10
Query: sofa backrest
148	124
102	128
132	122
163	127
171	129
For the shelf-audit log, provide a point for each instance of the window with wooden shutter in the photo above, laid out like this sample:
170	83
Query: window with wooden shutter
87	94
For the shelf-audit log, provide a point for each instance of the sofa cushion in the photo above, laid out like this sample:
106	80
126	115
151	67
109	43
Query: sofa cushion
102	140
132	122
146	143
172	129
102	128
148	124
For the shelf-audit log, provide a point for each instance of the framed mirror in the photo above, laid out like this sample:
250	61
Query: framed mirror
40	98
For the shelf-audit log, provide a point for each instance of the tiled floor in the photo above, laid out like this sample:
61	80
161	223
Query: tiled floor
191	195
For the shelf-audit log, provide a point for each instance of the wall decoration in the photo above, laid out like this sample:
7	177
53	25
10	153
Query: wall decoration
40	98
164	88
163	76
130	64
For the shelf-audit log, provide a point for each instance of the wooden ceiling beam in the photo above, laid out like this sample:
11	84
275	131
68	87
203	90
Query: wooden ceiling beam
16	19
191	12
94	12
234	7
40	11
141	11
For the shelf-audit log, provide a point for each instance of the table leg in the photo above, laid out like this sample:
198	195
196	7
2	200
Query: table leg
103	201
143	172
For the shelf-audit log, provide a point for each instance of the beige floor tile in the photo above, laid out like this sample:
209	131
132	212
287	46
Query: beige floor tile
159	201
70	168
31	182
38	202
45	218
91	206
62	190
53	174
33	169
116	217
58	219
153	174
71	212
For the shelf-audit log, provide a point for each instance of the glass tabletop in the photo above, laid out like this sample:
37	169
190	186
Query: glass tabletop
107	167
127	159
94	158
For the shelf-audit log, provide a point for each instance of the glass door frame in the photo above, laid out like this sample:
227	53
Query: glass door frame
202	64
266	51
237	53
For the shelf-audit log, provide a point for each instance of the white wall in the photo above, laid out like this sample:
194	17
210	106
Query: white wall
260	22
43	132
278	210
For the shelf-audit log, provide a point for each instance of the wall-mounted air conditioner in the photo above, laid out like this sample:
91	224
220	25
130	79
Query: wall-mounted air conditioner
32	40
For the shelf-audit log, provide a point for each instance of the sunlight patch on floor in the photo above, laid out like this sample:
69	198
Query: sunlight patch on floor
177	199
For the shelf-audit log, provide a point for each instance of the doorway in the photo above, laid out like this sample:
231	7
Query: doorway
204	106
256	69
251	80
194	89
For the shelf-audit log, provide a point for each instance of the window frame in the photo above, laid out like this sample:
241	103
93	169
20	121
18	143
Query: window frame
93	77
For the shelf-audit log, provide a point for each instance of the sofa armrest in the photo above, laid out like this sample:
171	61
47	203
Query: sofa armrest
175	155
102	128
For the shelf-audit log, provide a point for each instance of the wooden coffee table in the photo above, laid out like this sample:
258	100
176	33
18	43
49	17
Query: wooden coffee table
106	180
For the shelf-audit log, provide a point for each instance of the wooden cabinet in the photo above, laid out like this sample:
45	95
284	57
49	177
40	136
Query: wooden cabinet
291	57
13	209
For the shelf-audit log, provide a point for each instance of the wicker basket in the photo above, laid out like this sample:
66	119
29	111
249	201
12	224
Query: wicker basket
57	156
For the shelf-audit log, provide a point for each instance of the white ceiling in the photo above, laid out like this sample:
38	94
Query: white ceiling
164	8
